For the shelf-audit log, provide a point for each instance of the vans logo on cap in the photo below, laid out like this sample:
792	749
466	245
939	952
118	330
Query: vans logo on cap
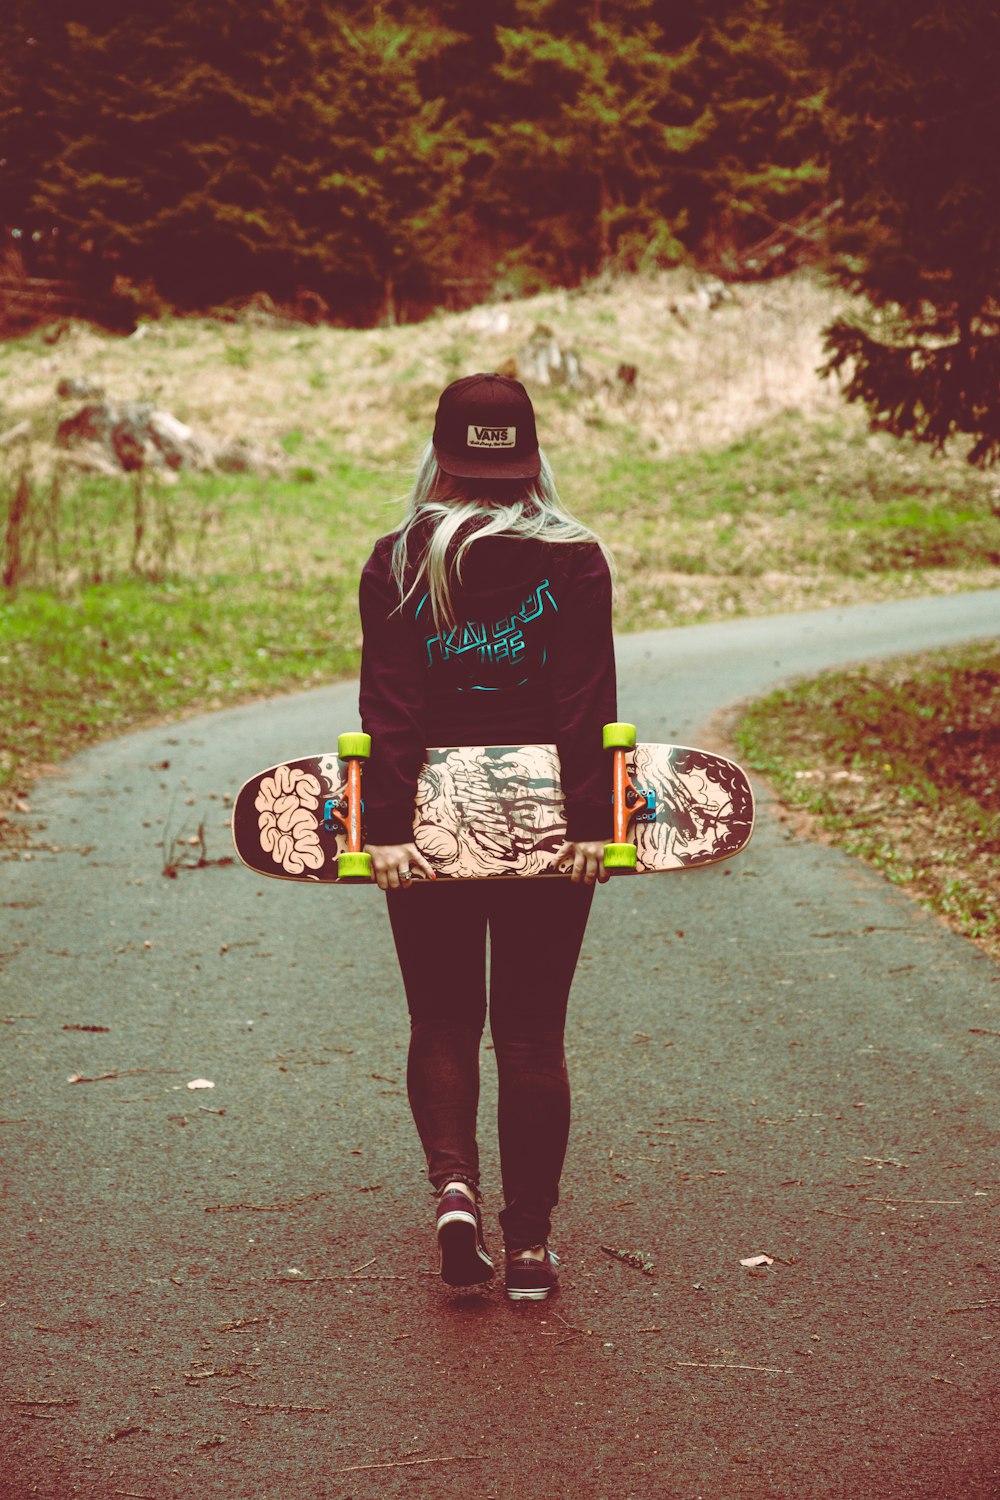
492	437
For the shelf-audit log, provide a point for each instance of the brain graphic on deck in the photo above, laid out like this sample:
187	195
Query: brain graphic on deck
286	804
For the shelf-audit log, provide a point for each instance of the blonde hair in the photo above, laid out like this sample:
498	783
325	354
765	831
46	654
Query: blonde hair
527	508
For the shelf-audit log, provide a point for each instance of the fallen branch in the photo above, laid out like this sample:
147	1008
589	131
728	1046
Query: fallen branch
41	1400
402	1463
303	1280
263	1208
941	1202
571	1326
631	1258
15	434
694	1364
100	1077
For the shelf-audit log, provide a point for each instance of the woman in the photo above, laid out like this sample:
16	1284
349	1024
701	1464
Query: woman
487	620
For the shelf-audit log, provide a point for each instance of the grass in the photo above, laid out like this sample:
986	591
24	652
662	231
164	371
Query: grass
729	481
897	762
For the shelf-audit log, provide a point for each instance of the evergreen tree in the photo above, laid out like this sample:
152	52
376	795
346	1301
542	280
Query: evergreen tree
585	140
168	134
380	192
758	160
34	45
913	118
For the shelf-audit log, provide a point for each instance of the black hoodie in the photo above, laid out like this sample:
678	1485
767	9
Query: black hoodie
531	661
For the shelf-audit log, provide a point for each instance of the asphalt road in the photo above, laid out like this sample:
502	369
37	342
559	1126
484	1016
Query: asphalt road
230	1292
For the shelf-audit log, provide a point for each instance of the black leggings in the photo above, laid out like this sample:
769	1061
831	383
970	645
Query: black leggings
535	929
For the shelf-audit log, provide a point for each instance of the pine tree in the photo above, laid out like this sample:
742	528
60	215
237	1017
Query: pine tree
912	117
168	134
585	140
380	192
758	161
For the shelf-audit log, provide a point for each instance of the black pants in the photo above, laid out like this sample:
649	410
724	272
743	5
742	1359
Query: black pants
535	930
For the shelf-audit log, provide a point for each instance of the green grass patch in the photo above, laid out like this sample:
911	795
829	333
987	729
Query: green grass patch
898	762
117	655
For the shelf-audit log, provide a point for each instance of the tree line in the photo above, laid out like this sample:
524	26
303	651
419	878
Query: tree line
383	155
387	158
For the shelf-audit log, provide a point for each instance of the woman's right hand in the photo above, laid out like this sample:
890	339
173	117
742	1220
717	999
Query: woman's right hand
395	864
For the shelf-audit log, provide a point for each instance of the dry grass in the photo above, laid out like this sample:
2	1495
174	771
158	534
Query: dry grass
704	378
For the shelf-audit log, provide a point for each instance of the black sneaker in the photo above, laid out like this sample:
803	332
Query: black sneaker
465	1261
530	1280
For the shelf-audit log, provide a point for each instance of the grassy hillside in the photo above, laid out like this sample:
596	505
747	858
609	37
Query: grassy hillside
729	480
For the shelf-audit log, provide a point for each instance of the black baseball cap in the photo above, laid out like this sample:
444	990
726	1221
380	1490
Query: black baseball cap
485	429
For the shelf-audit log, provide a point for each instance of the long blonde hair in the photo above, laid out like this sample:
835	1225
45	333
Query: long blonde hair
509	507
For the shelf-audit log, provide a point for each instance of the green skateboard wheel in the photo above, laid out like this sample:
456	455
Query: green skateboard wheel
619	736
354	866
354	746
620	856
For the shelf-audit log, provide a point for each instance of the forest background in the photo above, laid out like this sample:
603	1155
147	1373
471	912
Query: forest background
384	159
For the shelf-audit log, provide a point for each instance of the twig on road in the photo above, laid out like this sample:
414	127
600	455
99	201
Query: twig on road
239	1372
976	1306
402	1463
273	1405
263	1208
574	1332
41	1400
631	1258
101	1077
349	1276
694	1364
941	1202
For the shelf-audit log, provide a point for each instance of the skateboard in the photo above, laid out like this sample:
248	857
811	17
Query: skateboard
488	812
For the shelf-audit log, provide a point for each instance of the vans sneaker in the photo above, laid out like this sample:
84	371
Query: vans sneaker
465	1261
530	1280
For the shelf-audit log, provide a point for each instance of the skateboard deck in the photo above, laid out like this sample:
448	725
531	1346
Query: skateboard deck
486	812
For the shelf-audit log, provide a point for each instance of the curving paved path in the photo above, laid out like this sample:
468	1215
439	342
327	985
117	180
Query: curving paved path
782	1055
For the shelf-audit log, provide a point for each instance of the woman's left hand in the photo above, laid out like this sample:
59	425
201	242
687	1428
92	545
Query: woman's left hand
588	861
